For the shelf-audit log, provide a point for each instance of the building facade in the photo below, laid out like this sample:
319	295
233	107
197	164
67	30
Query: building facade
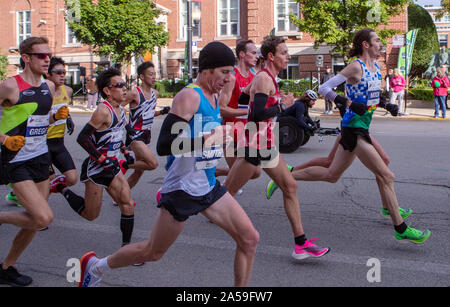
227	21
442	24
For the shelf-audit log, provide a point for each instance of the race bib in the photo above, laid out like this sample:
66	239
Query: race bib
373	92
210	158
147	119
115	144
37	126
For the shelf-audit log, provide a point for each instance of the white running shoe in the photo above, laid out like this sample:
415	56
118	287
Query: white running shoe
89	277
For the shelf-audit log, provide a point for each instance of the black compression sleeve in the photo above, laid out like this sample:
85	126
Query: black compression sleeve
260	112
85	141
167	137
244	99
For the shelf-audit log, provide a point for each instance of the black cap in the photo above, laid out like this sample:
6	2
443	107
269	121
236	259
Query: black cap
215	54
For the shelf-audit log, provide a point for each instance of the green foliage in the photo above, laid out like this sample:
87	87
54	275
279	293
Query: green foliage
169	88
425	94
335	22
119	27
427	42
297	87
3	67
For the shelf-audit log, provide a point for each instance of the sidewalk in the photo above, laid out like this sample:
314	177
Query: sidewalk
417	110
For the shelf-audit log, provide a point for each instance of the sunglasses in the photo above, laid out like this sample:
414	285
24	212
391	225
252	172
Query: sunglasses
41	56
118	85
58	71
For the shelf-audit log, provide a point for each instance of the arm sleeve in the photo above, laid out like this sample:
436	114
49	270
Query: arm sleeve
327	89
167	137
259	111
85	141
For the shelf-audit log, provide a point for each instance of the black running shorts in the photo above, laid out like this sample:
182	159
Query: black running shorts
95	172
35	169
255	156
141	135
59	155
183	205
349	137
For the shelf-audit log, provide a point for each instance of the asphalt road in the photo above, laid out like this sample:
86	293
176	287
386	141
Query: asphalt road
344	216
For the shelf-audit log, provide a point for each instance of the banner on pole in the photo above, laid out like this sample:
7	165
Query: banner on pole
406	53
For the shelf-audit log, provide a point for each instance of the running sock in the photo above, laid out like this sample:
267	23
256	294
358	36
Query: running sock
102	265
300	240
76	202
126	226
401	228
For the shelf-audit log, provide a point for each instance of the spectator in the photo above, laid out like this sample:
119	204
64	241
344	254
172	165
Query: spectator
92	93
328	103
387	85
440	83
397	84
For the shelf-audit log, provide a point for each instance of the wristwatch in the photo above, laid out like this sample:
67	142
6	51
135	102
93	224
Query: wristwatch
282	107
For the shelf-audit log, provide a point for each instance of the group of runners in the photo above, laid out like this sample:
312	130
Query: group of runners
229	111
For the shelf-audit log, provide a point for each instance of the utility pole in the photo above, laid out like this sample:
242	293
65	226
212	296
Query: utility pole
189	38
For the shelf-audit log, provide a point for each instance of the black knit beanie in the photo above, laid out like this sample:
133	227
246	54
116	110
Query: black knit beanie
215	54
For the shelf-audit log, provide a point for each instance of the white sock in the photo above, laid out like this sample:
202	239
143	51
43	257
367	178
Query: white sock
102	265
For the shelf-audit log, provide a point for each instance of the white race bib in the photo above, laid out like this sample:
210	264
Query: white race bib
37	126
373	92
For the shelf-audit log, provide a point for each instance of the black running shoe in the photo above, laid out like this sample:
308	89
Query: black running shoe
11	277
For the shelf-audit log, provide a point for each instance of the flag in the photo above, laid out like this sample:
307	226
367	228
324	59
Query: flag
272	32
406	52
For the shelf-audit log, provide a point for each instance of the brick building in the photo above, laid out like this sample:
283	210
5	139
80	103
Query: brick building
223	20
442	24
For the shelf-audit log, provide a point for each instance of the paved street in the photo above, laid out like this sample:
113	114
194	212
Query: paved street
344	216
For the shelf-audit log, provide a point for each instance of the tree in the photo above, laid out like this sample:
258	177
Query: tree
334	22
3	67
119	28
427	42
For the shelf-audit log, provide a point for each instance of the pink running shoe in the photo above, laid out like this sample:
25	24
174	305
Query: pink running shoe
158	195
57	184
309	250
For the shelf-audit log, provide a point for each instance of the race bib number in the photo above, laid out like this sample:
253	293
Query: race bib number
373	92
37	126
147	119
210	158
115	144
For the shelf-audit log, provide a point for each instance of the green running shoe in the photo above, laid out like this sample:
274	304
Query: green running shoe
404	213
12	199
413	235
272	186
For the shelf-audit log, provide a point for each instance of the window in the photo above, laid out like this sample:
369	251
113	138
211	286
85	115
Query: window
23	25
228	17
70	35
292	71
443	40
73	74
283	8
196	18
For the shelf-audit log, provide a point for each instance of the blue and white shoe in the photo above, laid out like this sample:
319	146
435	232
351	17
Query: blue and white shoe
89	277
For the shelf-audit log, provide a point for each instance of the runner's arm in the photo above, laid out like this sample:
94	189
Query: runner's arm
261	90
184	107
100	119
224	99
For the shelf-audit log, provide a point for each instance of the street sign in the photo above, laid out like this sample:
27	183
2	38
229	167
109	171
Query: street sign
398	41
319	60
